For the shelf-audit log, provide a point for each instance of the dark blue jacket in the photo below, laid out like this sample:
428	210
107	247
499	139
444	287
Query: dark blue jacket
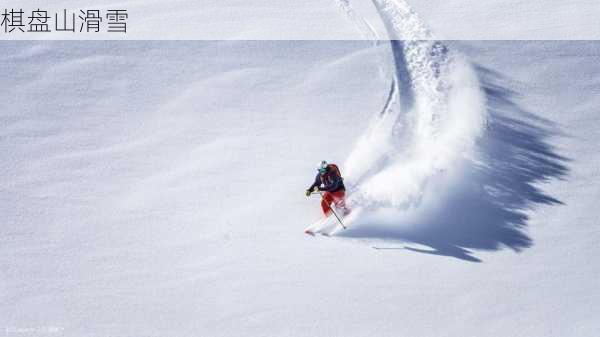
330	180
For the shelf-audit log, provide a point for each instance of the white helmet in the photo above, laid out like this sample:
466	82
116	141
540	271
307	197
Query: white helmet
322	166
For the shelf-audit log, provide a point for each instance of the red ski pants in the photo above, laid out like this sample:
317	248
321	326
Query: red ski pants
337	198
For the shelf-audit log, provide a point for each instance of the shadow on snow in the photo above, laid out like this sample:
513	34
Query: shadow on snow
488	209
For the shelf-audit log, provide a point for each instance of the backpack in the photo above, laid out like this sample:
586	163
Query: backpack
334	168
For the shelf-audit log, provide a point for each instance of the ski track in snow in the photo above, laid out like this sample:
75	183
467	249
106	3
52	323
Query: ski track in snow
432	117
435	148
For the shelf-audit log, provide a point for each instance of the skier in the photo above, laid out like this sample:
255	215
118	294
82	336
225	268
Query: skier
330	181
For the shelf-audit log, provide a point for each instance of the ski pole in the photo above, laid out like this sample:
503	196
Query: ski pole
332	210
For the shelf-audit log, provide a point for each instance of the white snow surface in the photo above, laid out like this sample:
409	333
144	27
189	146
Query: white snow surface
157	188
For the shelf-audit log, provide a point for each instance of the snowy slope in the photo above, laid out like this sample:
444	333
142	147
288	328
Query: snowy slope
118	187
511	19
156	188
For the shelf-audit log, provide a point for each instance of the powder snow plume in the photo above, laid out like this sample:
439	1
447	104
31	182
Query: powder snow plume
434	114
